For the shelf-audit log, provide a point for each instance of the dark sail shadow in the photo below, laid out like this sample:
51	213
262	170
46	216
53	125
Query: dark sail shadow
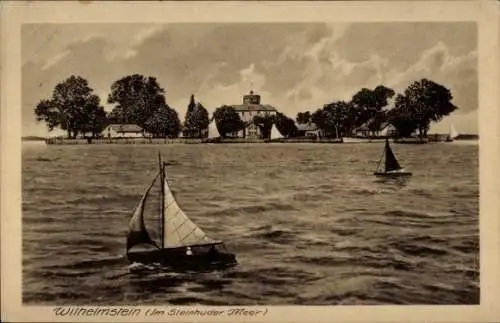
388	165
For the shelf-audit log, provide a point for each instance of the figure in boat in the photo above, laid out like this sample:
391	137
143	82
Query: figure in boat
390	166
182	244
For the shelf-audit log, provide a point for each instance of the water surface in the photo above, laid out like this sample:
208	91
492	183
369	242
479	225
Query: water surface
309	224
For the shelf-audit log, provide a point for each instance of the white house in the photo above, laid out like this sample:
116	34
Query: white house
250	108
123	131
308	130
387	130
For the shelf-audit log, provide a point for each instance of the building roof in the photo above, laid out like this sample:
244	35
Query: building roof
386	125
125	128
254	107
365	126
307	126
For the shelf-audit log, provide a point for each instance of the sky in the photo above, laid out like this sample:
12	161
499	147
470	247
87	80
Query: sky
293	66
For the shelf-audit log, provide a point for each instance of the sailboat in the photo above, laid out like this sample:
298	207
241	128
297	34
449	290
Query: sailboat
275	134
391	166
452	134
212	130
182	244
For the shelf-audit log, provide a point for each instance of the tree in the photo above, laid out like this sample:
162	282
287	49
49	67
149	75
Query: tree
196	119
202	119
428	101
227	120
164	122
333	118
377	120
95	118
373	100
73	107
47	111
368	104
137	97
285	125
187	118
319	118
265	123
423	101
303	117
401	117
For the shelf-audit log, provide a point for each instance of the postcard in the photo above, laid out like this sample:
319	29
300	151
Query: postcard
250	161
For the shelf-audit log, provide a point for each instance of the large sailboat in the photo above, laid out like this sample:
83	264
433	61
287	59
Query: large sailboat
182	244
390	167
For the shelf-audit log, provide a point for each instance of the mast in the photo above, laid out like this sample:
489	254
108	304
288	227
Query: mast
162	201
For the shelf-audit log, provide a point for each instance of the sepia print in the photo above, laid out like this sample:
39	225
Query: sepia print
250	163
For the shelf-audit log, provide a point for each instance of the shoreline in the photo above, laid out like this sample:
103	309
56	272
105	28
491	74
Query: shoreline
164	141
167	141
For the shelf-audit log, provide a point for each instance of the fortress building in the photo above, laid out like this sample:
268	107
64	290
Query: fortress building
250	108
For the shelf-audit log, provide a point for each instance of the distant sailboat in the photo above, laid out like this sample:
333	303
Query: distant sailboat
275	134
182	245
212	130
453	134
391	166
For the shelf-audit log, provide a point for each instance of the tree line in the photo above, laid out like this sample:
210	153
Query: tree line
140	100
420	104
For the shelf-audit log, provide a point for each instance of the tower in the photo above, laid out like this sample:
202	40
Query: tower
251	98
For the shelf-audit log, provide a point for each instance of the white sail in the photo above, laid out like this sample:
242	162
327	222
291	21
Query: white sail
137	233
453	133
212	130
275	134
178	229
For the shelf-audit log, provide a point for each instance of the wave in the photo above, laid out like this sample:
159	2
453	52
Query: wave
308	196
275	275
101	197
365	191
254	209
422	192
418	249
344	232
273	234
411	214
43	159
328	261
467	245
194	301
90	264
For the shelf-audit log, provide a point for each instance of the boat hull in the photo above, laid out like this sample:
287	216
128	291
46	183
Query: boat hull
395	174
176	258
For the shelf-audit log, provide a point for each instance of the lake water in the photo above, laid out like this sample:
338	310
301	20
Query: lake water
309	224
